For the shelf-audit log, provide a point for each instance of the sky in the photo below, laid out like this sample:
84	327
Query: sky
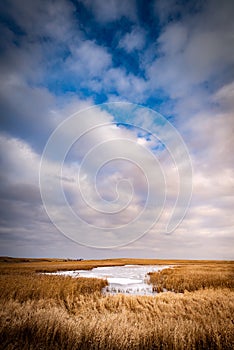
117	129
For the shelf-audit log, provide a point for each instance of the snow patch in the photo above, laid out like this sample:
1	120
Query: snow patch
127	279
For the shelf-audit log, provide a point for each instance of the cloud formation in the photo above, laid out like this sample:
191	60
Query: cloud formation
174	57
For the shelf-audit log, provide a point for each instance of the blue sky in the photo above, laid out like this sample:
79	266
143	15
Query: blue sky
173	57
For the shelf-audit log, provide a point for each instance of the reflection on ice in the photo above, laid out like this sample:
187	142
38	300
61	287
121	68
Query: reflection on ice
130	279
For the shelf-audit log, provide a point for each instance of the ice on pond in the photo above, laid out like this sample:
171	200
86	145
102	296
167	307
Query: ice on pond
129	279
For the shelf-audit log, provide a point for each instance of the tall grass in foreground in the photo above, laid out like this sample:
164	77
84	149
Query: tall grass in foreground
202	320
57	312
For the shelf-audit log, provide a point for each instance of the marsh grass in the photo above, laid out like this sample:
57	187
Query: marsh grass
57	312
22	266
193	277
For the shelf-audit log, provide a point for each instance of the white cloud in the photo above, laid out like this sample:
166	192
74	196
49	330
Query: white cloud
129	86
135	40
36	18
19	163
165	9
210	139
112	10
194	50
89	60
225	96
173	39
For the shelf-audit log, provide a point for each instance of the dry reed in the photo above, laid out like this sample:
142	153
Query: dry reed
193	277
57	312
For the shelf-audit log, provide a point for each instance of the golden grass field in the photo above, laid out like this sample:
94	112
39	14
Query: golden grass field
56	312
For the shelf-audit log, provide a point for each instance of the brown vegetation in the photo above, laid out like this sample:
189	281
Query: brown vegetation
19	265
193	277
56	312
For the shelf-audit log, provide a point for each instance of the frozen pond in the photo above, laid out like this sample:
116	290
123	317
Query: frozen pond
130	279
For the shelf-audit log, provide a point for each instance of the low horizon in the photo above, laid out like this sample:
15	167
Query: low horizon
122	258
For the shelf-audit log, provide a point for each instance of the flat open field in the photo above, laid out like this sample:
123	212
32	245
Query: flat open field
56	312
